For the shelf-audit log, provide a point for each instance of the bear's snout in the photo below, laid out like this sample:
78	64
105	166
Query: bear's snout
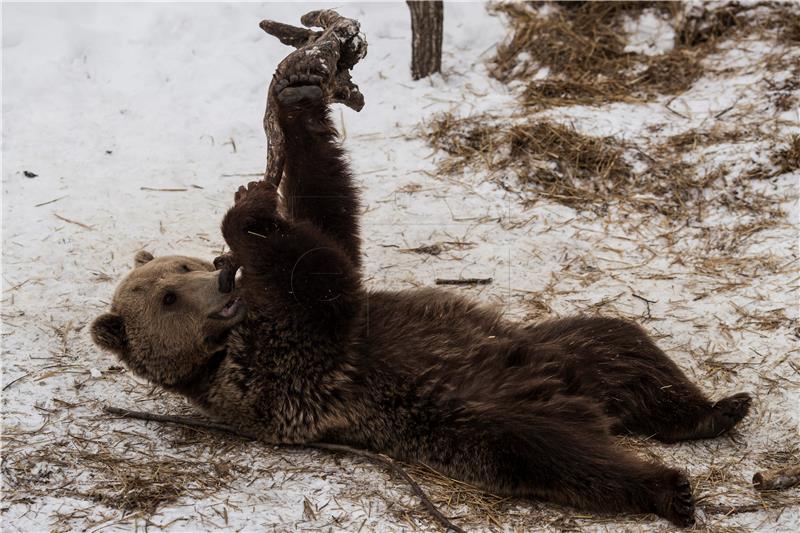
226	279
227	273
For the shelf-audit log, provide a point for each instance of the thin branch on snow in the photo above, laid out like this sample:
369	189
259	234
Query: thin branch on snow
382	460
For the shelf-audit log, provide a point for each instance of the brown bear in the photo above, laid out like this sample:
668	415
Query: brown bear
296	351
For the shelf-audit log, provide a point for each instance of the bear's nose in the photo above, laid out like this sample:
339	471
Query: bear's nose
227	272
227	280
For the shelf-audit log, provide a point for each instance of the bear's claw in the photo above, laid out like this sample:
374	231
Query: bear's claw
683	504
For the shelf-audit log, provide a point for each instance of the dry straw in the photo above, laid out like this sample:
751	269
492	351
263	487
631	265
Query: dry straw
584	49
556	162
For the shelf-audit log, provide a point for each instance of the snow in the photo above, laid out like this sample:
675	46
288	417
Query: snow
649	34
111	104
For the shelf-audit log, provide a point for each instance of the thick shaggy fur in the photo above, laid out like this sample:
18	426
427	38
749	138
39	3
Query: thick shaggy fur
519	409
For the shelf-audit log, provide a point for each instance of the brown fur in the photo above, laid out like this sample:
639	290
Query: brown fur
523	410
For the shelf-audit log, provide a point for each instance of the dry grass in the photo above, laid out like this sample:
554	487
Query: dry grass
693	139
584	48
136	485
135	480
449	493
788	159
556	162
557	159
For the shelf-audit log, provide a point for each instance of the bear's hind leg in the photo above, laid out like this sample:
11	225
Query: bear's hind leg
651	396
557	448
640	387
592	473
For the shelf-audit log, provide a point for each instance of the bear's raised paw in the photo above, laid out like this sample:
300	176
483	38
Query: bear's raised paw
298	87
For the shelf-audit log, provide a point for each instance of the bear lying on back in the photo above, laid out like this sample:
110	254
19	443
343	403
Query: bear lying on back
299	351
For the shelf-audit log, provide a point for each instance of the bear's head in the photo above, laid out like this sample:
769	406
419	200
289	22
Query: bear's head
168	318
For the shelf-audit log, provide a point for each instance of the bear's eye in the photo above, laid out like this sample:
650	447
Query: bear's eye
170	298
186	268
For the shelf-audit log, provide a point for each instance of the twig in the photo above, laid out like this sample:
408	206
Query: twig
51	201
718	115
383	460
431	249
672	110
81	224
171	419
646	302
7	385
733	509
464	281
643	298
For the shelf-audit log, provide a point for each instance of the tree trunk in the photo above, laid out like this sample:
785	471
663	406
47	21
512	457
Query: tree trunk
427	23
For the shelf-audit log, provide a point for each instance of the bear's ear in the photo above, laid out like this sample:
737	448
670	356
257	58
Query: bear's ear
108	332
142	257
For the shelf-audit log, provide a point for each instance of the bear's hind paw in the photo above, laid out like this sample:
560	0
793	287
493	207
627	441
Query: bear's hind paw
678	502
730	411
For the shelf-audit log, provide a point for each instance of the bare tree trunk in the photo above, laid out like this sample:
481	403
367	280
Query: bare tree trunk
427	23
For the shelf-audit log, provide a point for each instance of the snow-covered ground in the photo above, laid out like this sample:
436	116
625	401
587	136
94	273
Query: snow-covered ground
107	107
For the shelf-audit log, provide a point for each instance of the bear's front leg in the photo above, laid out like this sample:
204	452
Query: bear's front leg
256	201
318	185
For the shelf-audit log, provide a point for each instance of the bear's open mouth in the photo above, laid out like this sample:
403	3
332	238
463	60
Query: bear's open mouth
229	310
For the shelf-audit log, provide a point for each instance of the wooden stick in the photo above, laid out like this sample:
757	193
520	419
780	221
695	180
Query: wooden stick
399	470
289	35
377	458
464	281
334	50
171	419
777	479
732	509
65	219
